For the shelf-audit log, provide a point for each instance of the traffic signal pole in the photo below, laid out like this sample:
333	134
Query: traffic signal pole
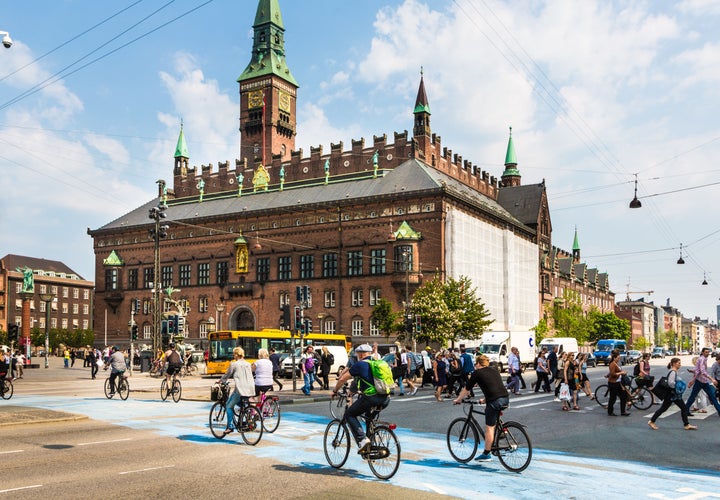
132	329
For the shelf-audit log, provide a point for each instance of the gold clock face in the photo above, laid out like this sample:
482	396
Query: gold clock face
284	104
255	99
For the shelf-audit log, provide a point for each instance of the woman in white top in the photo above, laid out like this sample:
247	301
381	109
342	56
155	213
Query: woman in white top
263	370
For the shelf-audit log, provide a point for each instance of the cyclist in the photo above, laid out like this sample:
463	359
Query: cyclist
174	363
368	398
241	373
496	399
117	365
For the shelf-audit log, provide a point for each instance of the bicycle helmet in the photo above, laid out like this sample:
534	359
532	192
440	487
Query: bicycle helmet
171	345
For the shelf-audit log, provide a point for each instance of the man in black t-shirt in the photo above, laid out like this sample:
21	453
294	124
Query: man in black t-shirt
496	398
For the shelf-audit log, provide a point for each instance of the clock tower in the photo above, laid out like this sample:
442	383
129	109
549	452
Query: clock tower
268	92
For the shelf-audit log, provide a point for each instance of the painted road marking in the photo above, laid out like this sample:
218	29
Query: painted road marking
146	469
104	442
19	488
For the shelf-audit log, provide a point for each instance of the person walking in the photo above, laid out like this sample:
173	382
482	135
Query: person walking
275	360
66	357
553	366
615	387
468	367
438	367
307	367
513	366
675	397
407	364
92	359
326	362
542	372
19	363
702	381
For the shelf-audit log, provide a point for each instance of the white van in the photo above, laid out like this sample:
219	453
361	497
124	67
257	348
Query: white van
338	352
565	344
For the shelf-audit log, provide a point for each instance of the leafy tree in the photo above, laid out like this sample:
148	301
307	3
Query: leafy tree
450	311
541	330
568	318
641	344
384	317
607	326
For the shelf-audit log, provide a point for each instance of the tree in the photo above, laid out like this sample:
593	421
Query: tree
541	330
641	343
565	317
450	311
384	317
607	326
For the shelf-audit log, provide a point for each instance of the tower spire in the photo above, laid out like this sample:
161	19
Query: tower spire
576	248
421	131
181	153
511	175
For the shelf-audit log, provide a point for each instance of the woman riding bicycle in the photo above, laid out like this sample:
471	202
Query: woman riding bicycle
241	373
263	370
496	399
368	399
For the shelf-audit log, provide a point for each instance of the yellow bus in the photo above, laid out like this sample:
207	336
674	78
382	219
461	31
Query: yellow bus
223	342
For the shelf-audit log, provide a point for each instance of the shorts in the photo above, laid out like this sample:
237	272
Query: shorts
493	409
262	388
172	369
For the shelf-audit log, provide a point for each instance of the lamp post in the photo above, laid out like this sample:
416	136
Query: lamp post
219	308
47	298
157	232
408	320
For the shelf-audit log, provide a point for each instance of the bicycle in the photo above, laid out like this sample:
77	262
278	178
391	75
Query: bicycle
269	407
639	397
511	443
384	455
187	370
157	369
175	389
247	419
6	388
344	398
122	386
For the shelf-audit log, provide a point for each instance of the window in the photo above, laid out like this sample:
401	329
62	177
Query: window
111	280
86	324
285	268
203	304
66	290
64	323
54	290
146	306
53	322
43	288
354	264
357	327
403	258
76	308
147	332
329	298
167	306
330	263
374	329
64	308
204	273
222	273
263	270
166	276
204	329
42	323
185	304
284	299
374	296
42	306
86	308
329	326
377	261
185	274
357	297
132	281
18	287
54	305
86	293
76	293
307	266
147	277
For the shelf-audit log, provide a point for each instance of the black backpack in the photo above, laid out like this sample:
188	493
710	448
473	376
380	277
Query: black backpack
330	359
636	370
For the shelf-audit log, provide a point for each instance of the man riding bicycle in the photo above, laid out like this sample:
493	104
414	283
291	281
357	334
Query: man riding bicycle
496	399
174	363
368	399
116	361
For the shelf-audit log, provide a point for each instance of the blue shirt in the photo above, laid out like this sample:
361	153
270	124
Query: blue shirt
361	370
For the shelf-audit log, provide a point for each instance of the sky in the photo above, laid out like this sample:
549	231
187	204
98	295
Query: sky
598	94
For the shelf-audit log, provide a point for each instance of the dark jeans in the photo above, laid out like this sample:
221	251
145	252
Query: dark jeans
666	404
709	390
616	390
93	369
542	378
363	405
113	376
275	379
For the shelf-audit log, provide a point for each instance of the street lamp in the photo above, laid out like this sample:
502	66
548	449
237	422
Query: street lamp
47	298
219	308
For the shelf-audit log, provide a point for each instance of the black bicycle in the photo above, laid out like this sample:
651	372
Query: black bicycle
6	388
122	386
247	418
511	443
638	396
343	399
384	454
174	389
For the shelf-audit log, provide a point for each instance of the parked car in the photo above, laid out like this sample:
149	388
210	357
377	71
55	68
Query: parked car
684	353
633	356
658	352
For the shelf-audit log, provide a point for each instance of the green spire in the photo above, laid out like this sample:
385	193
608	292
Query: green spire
113	260
421	101
268	52
576	245
181	150
510	159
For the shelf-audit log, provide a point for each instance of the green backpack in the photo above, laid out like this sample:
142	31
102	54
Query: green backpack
383	381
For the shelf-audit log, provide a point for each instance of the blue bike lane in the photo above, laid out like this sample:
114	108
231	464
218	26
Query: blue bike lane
426	463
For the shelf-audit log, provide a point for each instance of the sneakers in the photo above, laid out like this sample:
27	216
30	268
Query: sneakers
364	446
652	425
557	400
689	427
414	391
483	457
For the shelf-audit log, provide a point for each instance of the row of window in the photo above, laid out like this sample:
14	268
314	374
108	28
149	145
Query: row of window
54	290
357	298
284	271
64	323
54	307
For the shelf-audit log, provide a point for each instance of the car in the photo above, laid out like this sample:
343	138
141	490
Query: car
684	353
633	356
669	352
658	352
591	360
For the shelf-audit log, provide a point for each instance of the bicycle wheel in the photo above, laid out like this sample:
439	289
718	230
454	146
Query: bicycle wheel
192	370
602	394
463	438
643	399
270	411
163	390
384	456
108	394
336	443
218	422
123	387
250	425
176	390
7	391
513	446
337	406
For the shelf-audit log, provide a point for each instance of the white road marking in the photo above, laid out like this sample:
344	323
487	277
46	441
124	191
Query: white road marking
11	451
21	488
146	469
104	442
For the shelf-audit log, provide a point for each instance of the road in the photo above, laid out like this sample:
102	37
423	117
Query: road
583	454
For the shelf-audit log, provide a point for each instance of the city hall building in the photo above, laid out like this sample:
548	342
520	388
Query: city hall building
355	224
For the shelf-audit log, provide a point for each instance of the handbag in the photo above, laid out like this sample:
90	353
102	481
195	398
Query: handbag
661	390
680	386
564	392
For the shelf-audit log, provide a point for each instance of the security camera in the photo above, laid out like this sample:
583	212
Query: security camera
7	41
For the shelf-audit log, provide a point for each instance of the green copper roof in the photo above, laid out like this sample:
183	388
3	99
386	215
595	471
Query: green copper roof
240	240
510	158
576	245
181	150
405	232
268	52
113	260
421	102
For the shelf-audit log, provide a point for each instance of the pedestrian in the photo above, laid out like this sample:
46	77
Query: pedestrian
307	367
674	397
468	367
702	381
428	373
584	384
91	357
19	363
514	371
66	357
615	387
326	362
553	367
73	355
440	373
275	360
701	402
569	369
407	364
542	372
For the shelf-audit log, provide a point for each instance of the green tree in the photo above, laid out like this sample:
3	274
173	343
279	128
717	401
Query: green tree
566	318
607	326
541	330
641	344
450	311
384	317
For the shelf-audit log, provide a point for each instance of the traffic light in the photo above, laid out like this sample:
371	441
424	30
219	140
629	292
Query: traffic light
308	326
135	332
418	323
171	326
13	333
408	323
285	318
180	322
298	319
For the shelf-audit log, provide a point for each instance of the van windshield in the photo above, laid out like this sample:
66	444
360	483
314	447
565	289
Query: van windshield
489	349
604	347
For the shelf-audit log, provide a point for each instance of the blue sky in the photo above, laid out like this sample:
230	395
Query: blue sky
596	92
